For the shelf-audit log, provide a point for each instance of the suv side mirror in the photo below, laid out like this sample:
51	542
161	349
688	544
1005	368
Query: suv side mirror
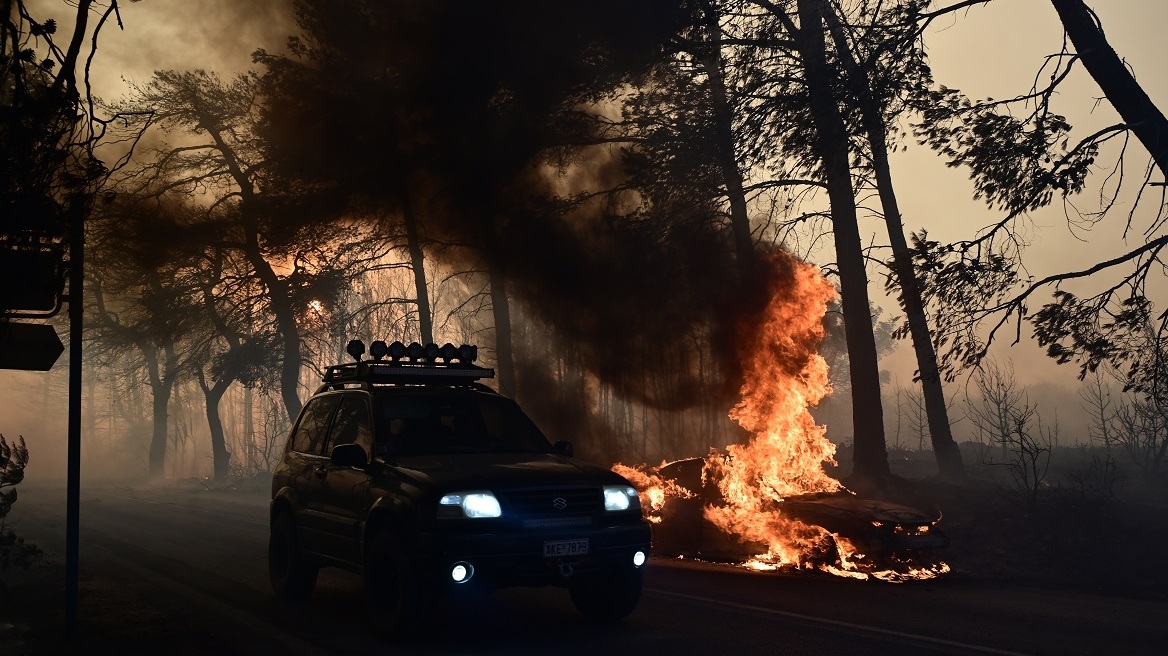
563	448
349	455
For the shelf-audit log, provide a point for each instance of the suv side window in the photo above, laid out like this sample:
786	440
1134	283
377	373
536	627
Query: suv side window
352	425
313	427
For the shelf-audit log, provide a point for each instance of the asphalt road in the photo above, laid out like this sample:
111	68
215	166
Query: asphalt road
184	572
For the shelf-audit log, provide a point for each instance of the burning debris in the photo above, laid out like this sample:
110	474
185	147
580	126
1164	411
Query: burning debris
769	503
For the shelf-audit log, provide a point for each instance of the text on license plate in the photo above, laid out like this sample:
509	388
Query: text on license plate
560	548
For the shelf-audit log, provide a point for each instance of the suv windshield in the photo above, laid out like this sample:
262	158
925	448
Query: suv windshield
424	423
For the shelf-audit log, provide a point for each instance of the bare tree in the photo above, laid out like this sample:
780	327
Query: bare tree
918	419
1029	452
145	324
1097	399
221	163
1000	401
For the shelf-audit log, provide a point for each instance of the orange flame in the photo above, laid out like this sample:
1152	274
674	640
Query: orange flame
653	489
783	377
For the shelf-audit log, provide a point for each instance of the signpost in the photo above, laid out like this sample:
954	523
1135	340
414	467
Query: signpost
31	270
29	346
33	279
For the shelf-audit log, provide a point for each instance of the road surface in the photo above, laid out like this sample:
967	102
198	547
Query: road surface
183	571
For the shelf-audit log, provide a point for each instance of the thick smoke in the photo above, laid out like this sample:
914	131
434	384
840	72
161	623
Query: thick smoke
638	297
463	115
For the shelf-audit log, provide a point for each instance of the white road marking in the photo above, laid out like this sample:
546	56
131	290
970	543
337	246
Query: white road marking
904	635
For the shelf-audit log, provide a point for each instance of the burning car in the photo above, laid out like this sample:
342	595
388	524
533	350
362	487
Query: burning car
769	502
836	529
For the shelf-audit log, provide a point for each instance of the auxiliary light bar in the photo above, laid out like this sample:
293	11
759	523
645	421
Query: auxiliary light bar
412	364
415	352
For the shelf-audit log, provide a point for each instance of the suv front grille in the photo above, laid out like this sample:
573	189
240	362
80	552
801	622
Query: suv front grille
555	503
558	522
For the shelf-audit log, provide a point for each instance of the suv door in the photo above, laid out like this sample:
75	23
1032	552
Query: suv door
305	464
346	497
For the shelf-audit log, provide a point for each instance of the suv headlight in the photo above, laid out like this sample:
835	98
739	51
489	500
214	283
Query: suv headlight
621	497
469	504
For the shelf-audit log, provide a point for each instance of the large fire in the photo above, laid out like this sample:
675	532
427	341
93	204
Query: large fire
746	485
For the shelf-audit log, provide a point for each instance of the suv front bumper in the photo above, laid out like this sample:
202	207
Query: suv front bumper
506	558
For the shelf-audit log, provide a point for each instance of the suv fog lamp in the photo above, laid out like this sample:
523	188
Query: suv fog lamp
461	572
432	351
415	351
449	352
638	559
474	504
619	497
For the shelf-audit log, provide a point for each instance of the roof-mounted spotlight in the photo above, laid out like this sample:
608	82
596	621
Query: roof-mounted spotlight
468	353
415	351
432	352
397	351
378	349
356	348
449	352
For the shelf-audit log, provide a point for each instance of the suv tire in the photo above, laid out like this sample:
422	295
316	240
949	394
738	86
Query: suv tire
609	595
398	599
292	577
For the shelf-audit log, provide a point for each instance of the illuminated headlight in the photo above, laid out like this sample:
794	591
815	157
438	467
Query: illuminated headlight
461	572
472	504
620	497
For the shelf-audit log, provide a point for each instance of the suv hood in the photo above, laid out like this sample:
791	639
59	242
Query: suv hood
468	471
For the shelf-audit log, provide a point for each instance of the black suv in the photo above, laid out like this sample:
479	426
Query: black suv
408	470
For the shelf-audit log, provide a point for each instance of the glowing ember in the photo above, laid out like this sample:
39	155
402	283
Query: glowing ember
743	489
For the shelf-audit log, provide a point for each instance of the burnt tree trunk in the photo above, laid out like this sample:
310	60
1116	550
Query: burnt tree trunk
162	376
1122	91
418	264
279	296
212	395
504	350
945	449
724	142
870	455
278	291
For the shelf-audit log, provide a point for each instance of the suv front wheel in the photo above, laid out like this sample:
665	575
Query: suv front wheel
292	577
398	597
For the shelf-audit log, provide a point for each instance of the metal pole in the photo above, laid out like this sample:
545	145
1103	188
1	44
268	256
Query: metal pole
73	493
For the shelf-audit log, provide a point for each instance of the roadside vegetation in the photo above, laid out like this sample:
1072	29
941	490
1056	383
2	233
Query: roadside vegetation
15	553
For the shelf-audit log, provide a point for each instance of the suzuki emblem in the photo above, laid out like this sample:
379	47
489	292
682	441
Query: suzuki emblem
560	503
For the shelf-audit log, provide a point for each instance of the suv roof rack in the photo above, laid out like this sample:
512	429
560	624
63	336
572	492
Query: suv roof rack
423	367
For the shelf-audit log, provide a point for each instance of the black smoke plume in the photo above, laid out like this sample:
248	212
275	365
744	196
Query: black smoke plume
459	113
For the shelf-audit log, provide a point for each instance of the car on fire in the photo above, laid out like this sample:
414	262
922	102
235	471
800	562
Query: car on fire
411	472
886	533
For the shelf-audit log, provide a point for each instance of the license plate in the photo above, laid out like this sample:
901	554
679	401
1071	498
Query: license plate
561	548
